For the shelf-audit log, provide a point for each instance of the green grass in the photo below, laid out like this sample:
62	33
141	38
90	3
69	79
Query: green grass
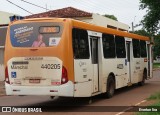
155	96
156	65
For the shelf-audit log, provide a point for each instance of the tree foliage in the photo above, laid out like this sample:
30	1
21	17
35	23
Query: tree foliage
111	17
142	32
151	19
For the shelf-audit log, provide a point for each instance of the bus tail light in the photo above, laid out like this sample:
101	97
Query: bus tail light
7	76
64	78
145	60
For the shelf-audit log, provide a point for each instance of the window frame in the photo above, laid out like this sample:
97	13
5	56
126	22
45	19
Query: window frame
77	54
136	49
120	46
112	46
143	48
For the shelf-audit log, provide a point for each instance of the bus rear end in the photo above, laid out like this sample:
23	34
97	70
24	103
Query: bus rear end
37	58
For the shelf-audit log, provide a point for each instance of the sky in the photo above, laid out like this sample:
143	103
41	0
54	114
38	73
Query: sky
126	11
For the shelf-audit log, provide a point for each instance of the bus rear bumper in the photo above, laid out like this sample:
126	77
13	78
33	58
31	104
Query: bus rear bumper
62	90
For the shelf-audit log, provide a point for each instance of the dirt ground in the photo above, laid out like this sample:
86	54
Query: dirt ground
2	88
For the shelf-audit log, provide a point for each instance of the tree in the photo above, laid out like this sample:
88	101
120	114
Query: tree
142	32
111	17
151	19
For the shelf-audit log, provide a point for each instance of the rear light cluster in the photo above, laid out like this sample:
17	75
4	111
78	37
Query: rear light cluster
6	75
145	59
64	78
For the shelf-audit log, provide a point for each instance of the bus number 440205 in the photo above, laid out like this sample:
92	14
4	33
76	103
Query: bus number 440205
50	66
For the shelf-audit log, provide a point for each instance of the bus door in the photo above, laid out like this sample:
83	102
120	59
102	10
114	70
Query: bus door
149	51
128	62
94	62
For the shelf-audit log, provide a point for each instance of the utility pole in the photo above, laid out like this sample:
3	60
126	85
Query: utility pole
132	27
133	24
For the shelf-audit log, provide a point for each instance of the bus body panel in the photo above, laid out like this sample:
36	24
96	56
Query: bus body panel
120	73
64	45
90	78
50	55
35	71
85	77
83	84
138	65
66	90
135	70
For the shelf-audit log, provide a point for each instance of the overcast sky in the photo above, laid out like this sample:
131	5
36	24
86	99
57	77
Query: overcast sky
127	11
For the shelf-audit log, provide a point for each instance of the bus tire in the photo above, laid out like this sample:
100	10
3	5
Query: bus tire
52	97
110	87
143	79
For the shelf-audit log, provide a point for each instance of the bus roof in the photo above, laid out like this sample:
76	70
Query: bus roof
84	25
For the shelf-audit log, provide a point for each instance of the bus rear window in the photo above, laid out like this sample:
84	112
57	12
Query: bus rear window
35	34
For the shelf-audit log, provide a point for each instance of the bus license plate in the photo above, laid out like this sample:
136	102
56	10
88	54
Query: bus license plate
34	81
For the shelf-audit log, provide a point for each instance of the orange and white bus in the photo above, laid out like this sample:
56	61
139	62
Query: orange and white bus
66	57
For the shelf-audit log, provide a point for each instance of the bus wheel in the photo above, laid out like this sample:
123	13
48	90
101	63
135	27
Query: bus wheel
52	97
143	79
110	87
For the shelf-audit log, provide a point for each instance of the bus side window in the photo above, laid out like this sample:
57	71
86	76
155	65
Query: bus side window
143	48
120	47
80	44
108	46
136	48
